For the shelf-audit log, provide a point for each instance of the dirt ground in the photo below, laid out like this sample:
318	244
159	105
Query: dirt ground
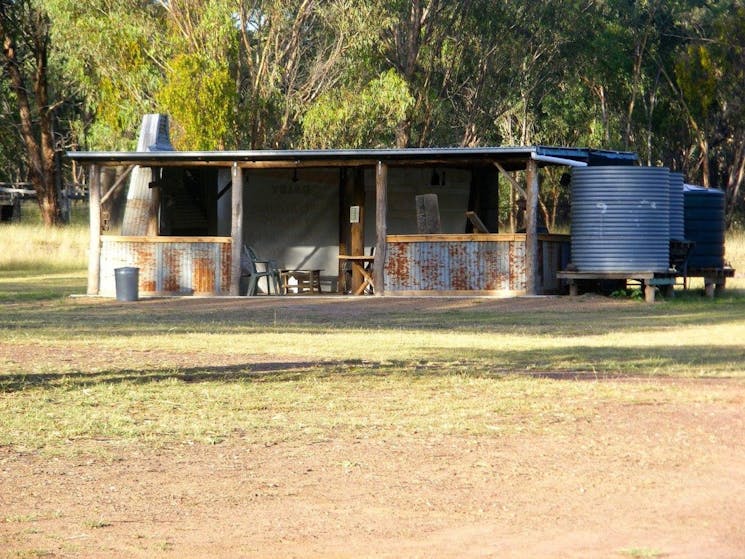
664	480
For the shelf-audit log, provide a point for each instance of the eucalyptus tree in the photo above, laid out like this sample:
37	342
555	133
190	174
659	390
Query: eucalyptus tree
290	53
731	41
25	37
11	145
113	52
709	74
198	89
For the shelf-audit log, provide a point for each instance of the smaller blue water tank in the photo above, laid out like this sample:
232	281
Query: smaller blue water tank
704	225
677	219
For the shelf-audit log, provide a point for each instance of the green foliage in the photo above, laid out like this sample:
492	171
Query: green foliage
660	78
11	168
354	119
200	97
698	76
112	51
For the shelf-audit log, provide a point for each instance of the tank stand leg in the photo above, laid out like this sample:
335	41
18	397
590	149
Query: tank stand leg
669	291
573	289
649	292
715	285
709	288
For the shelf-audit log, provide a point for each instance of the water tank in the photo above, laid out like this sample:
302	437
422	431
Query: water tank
677	222
620	219
704	225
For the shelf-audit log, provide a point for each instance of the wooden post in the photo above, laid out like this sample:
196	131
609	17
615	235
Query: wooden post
153	216
531	229
357	230
381	201
236	229
345	197
94	253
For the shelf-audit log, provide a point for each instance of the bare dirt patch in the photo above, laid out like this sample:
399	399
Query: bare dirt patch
647	481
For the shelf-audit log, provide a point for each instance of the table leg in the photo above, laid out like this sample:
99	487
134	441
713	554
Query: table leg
366	278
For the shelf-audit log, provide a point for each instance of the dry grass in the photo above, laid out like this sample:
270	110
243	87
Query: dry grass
29	246
735	250
176	371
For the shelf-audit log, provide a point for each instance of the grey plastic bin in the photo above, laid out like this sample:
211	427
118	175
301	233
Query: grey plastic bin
126	280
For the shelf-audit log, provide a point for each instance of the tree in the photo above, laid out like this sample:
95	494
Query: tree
200	97
291	51
113	54
25	36
11	165
198	89
367	118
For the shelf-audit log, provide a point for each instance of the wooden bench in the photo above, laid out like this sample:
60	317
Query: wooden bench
306	281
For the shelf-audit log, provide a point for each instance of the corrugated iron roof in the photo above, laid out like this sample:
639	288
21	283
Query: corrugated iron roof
509	157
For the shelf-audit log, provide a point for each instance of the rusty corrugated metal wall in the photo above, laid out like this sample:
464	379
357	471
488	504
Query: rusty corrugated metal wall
168	267
487	266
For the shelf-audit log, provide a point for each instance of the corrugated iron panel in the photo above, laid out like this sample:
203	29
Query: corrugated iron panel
455	266
178	267
620	219
506	155
470	265
677	220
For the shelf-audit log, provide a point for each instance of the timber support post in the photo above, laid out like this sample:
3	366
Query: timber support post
381	202
236	228
357	227
94	253
531	228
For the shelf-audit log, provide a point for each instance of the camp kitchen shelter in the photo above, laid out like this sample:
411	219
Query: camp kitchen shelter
186	228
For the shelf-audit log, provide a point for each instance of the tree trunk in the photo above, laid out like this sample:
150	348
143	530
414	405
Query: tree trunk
734	182
39	151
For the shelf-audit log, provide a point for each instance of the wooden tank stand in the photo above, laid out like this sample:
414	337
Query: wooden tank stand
715	279
650	281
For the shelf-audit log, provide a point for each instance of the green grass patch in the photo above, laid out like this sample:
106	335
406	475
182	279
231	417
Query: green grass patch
41	284
312	405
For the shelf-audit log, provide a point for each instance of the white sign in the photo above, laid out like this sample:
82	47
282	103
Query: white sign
354	214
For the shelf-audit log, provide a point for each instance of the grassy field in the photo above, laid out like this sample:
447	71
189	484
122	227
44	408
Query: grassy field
79	369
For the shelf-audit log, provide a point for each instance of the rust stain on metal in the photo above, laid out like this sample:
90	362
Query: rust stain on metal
488	259
517	266
226	255
397	266
205	270
460	267
170	269
430	266
143	257
503	266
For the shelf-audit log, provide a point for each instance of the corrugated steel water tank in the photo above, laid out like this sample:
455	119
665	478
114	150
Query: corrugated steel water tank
677	221
620	219
705	226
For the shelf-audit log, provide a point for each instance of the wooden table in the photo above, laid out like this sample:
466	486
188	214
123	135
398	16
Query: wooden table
359	263
307	280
